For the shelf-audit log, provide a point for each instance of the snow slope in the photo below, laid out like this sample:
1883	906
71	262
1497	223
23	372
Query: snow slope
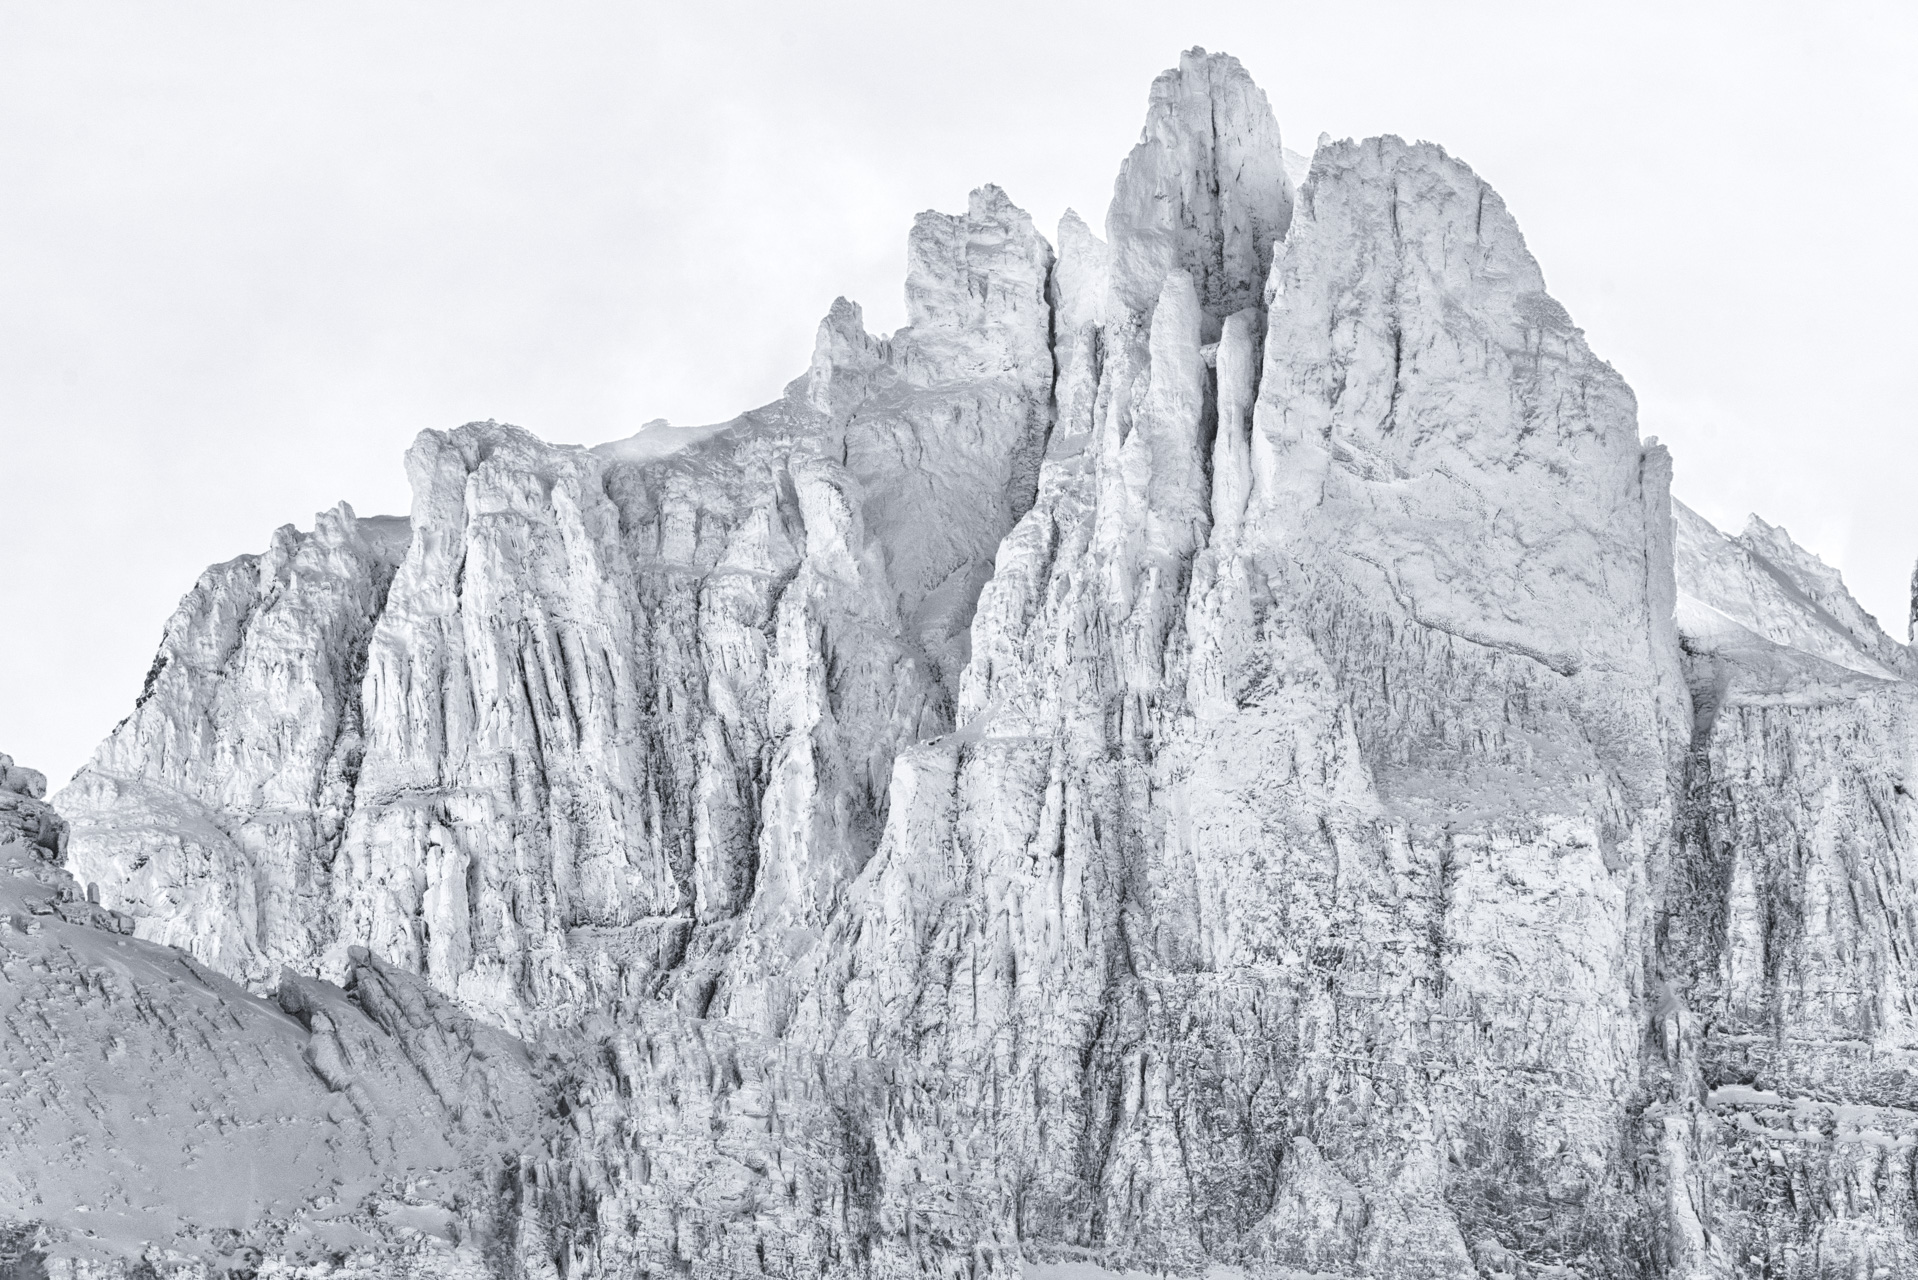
157	1110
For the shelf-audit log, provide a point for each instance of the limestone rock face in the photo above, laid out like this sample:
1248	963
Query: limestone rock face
1210	752
238	763
25	815
1264	829
1762	585
1205	191
591	721
1787	937
162	1121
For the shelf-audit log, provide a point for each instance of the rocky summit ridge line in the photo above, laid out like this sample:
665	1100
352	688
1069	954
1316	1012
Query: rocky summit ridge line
1211	750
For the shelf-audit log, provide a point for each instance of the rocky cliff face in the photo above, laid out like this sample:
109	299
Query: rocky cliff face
1213	749
25	816
592	725
1786	934
162	1121
1300	769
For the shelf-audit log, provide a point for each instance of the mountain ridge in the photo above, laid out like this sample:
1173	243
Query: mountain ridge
1208	747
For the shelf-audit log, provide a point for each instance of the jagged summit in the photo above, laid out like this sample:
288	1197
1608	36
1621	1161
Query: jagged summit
1210	750
1762	586
1205	190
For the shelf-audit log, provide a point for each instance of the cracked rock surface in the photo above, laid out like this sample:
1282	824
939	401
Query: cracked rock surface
1211	751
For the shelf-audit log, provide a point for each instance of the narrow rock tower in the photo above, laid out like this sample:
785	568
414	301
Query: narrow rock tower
1205	190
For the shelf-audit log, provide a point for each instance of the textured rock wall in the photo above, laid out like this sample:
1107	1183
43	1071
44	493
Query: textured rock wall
1216	749
237	766
593	721
1284	888
1787	936
163	1122
25	816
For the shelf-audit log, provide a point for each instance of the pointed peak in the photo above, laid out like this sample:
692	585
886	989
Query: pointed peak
1196	62
1081	280
990	201
844	316
1777	540
958	266
1205	191
844	359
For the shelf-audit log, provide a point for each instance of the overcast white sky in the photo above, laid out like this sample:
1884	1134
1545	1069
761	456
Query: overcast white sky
247	251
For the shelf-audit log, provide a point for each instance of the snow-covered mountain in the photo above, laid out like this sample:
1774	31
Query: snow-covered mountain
1211	748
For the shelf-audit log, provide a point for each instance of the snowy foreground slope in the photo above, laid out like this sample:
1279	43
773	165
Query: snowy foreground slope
1213	747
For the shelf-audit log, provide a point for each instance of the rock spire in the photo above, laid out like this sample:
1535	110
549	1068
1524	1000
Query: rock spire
1204	191
1211	750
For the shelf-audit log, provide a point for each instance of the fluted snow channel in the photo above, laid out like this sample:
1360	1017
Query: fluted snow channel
1211	750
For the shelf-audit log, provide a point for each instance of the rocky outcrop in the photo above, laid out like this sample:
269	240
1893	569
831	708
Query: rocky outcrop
1786	935
207	810
592	725
1215	749
162	1121
1762	585
25	816
1205	192
1263	830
